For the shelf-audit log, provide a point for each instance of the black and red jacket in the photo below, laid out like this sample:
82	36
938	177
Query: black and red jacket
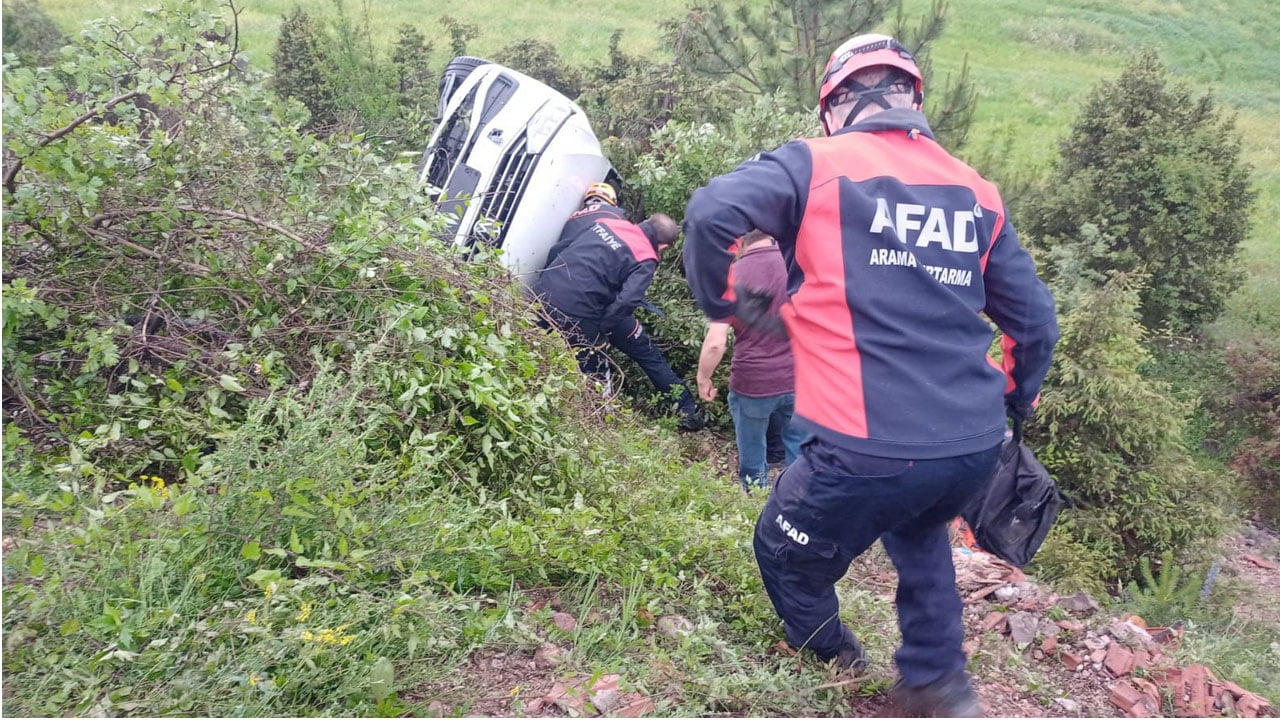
893	249
599	270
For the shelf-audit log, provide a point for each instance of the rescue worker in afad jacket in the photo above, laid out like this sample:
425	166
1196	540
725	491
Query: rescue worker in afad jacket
595	277
895	250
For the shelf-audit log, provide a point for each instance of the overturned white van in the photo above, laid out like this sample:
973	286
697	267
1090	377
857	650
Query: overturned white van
510	159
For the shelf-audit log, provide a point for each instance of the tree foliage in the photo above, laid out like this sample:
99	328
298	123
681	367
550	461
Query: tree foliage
303	66
1113	440
780	50
30	34
348	86
1158	174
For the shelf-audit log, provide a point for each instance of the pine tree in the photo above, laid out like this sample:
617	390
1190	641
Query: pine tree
303	68
782	50
1157	175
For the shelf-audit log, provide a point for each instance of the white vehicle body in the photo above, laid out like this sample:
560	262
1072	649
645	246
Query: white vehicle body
511	159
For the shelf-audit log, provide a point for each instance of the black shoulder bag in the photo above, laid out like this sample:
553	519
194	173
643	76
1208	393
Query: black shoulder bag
1011	519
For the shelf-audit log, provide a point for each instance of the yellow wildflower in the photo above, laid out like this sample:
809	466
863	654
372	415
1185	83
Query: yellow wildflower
269	590
252	617
158	486
304	613
253	681
328	636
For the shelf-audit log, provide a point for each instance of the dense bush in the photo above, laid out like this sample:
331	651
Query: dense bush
1114	441
1158	175
348	86
683	157
162	276
541	61
628	97
1253	409
30	34
269	448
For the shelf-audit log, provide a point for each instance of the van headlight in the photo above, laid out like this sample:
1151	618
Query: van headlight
544	124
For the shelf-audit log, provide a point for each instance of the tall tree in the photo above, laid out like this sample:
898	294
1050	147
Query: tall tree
781	50
1156	176
303	67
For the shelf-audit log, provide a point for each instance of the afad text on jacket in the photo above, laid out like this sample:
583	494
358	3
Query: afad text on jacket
893	249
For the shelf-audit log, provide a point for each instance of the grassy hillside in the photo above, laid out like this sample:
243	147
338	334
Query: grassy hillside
580	31
396	524
1033	62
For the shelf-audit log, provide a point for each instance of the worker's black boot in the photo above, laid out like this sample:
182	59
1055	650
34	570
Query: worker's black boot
850	655
691	420
952	696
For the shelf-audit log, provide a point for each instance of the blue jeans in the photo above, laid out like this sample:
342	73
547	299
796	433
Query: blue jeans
751	417
829	507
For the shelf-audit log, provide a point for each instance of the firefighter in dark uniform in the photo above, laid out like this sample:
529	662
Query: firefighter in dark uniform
596	276
895	250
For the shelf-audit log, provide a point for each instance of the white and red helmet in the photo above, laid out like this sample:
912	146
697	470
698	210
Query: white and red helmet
866	51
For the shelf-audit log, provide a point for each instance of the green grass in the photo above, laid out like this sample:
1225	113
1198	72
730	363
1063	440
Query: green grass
580	32
1034	63
649	531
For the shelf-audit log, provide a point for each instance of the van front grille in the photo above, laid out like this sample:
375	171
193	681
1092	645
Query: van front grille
508	186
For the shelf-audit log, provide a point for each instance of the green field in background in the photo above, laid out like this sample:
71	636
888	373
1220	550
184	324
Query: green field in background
1034	62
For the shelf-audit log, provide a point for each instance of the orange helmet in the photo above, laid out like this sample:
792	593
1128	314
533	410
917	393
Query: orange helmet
601	191
861	52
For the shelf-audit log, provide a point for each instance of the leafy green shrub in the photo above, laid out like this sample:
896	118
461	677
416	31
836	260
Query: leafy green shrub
1168	597
629	97
1159	175
30	34
1113	439
346	84
685	156
281	250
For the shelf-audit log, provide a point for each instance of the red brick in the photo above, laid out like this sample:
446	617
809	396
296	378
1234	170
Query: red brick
1098	655
1234	689
1119	660
1252	705
1070	625
1142	659
1150	694
994	622
1195	688
1124	695
1072	660
1050	644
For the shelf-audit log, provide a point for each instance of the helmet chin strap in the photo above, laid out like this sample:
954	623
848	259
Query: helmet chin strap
870	94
